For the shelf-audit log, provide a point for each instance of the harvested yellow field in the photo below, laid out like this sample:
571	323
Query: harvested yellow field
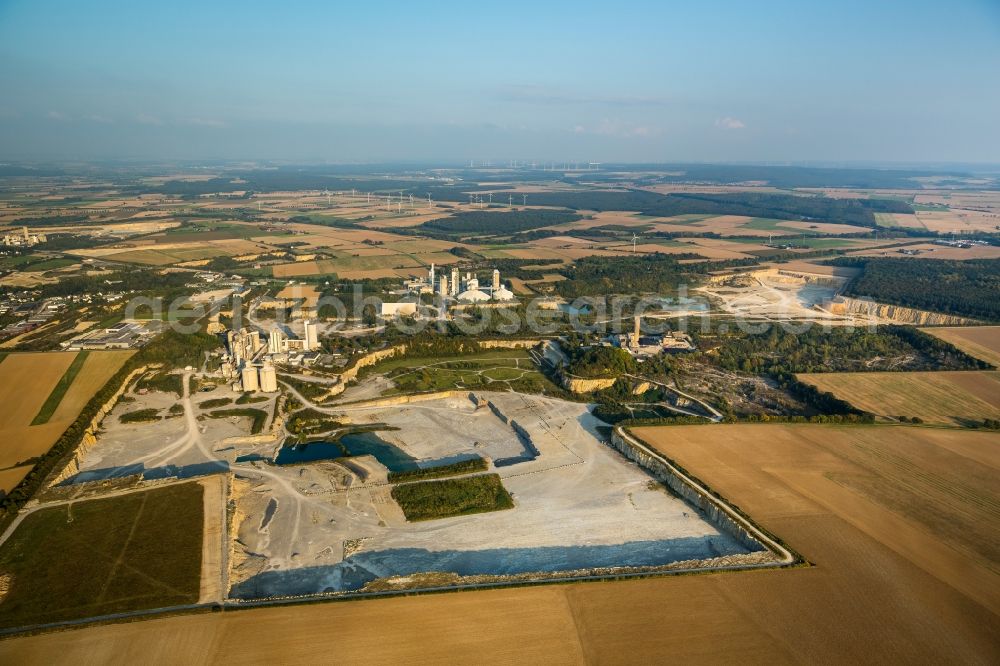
11	476
908	220
933	251
716	248
379	273
545	254
957	220
164	255
439	258
23	279
983	342
952	398
520	287
306	292
851	499
824	227
468	628
404	220
97	369
26	380
602	218
817	269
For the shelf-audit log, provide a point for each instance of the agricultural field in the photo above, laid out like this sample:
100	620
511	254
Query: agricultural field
724	225
135	551
952	398
983	342
934	251
164	254
39	405
848	498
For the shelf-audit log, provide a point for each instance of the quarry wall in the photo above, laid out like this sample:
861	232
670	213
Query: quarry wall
524	437
863	306
585	385
402	399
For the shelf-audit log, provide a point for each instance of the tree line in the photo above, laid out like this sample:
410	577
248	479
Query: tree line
968	288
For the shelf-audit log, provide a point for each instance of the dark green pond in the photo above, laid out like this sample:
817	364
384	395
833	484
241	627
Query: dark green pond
356	444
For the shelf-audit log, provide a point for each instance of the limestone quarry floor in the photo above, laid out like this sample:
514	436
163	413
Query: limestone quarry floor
578	505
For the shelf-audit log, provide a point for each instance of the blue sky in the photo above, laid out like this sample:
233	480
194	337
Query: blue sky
712	80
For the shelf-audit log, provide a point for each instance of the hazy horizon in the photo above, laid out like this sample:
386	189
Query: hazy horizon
903	83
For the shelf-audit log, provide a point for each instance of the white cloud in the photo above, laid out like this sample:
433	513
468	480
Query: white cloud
95	118
146	119
615	127
534	94
730	123
205	122
55	115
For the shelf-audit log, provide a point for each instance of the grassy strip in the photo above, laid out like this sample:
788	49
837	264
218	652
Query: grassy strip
59	390
163	381
454	469
452	497
138	551
140	415
214	402
259	416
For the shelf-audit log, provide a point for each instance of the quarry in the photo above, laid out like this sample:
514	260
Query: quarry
320	518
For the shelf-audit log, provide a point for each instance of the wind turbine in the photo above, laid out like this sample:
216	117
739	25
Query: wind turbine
510	201
327	193
524	199
491	199
634	239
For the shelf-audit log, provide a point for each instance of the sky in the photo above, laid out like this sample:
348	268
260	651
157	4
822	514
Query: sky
709	80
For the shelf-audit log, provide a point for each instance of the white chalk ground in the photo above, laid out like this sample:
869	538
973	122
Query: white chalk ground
329	526
579	504
780	301
162	447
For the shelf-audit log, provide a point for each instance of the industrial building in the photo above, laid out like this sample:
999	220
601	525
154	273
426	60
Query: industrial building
250	361
123	335
640	346
23	239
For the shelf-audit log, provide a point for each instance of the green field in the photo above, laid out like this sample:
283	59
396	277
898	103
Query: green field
212	403
501	370
825	243
259	416
59	390
35	262
430	500
50	264
137	551
142	415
